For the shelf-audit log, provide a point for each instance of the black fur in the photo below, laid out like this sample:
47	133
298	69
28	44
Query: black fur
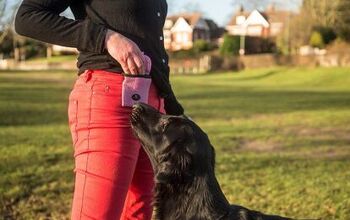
183	160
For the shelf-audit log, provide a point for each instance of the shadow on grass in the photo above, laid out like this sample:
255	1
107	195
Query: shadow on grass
49	105
33	106
263	76
44	95
241	103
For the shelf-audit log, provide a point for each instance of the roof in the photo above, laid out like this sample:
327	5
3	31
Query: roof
191	18
215	30
271	14
257	18
277	16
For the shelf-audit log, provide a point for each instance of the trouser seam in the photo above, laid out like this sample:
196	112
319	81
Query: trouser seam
88	146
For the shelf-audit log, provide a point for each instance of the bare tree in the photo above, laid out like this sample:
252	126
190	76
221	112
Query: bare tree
316	15
322	12
2	12
262	4
7	15
342	24
253	4
3	28
193	7
329	14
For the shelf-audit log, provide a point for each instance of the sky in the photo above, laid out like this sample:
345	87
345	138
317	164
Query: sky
222	10
219	10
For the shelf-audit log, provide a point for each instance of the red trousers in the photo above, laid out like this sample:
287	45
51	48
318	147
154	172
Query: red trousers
113	175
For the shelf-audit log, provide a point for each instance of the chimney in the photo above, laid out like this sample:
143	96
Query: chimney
271	7
240	9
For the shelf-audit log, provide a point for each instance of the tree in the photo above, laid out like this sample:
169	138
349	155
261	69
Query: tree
2	16
230	45
333	14
342	25
193	7
328	34
331	19
7	15
2	9
296	33
252	4
262	4
201	46
316	40
321	12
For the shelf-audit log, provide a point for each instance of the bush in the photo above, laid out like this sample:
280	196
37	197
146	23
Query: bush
181	54
230	45
328	34
257	45
342	24
316	40
201	46
339	46
34	48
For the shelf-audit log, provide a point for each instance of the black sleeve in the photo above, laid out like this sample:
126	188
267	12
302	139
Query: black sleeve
172	106
41	20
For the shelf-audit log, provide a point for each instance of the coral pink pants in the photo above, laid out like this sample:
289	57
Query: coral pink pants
113	175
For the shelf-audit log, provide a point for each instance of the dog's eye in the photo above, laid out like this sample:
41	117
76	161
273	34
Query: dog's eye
180	141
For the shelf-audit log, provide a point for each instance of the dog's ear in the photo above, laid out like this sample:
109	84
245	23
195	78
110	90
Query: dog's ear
163	173
191	146
182	176
212	156
162	178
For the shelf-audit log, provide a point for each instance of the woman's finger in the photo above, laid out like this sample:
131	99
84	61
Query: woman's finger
132	66
125	68
140	65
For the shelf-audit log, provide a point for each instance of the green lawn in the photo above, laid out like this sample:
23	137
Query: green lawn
282	138
53	59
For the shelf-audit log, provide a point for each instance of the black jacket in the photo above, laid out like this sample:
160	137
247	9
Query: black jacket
141	21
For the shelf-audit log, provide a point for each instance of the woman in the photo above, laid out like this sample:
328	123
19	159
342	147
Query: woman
114	178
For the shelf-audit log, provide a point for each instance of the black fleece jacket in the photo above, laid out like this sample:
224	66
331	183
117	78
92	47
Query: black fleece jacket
141	21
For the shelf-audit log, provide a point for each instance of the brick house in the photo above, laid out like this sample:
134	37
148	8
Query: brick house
266	24
181	31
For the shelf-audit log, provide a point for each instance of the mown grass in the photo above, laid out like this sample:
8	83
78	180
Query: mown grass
54	59
281	136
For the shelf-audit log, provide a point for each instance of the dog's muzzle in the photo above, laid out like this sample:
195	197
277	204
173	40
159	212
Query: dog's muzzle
137	110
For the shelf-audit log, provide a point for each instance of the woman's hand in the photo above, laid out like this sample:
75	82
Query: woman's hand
126	52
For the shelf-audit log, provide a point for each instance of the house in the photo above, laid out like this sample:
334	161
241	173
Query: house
181	31
266	24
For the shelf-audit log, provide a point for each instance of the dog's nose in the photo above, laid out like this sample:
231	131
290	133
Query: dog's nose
137	107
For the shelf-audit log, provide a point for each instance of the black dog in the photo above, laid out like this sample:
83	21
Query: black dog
183	160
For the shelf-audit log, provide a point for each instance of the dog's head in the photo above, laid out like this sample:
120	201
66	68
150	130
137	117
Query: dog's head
177	147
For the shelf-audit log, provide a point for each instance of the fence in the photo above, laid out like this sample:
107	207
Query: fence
218	63
209	63
12	65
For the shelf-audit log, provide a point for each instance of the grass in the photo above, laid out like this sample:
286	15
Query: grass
54	59
281	137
